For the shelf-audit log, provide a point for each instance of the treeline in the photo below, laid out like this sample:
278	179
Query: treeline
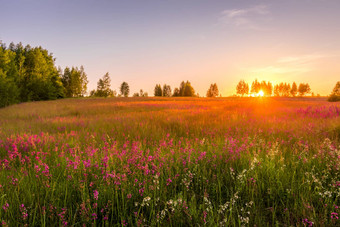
185	90
104	89
29	74
267	89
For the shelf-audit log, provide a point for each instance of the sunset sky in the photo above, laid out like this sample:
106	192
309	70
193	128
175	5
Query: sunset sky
144	42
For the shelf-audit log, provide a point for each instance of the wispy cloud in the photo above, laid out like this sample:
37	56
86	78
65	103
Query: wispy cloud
302	59
280	69
292	64
244	18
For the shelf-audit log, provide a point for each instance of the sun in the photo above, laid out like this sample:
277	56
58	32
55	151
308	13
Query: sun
260	94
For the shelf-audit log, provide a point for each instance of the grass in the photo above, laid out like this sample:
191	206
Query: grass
170	161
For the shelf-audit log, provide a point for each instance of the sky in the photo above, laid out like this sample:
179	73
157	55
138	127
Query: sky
149	42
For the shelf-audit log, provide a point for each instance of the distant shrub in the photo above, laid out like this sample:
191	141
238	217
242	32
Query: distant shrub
334	98
335	95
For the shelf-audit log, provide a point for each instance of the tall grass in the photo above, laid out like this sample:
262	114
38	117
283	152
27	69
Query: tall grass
177	162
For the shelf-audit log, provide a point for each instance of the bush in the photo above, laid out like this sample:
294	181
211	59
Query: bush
334	98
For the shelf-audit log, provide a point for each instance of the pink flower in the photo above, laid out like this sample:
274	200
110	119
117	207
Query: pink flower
95	194
334	215
5	207
168	181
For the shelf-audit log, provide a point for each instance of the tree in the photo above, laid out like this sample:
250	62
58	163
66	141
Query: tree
176	92
28	74
158	90
182	88
277	90
8	91
8	88
185	89
103	87
304	89
75	81
242	88
92	93
335	95
293	90
255	87
142	93
189	91
282	89
267	88
124	89
213	91
286	90
166	90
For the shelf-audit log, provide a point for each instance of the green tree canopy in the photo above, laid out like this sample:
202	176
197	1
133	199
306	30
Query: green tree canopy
103	87
28	74
74	81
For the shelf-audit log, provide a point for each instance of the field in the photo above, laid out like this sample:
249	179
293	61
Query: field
171	162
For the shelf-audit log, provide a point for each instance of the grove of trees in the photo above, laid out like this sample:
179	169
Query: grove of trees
140	94
74	81
185	90
165	91
29	74
103	88
279	90
213	91
158	90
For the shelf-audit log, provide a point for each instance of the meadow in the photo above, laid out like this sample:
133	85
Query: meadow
170	162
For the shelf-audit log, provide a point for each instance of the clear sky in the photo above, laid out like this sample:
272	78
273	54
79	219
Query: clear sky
144	42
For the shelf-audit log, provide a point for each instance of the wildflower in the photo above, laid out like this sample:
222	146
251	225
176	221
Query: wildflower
306	222
95	194
23	211
334	215
169	181
5	207
146	201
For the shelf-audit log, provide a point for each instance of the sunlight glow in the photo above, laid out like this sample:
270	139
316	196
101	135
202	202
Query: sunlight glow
260	94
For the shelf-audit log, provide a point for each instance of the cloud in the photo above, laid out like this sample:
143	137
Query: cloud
302	59
291	64
281	69
244	18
